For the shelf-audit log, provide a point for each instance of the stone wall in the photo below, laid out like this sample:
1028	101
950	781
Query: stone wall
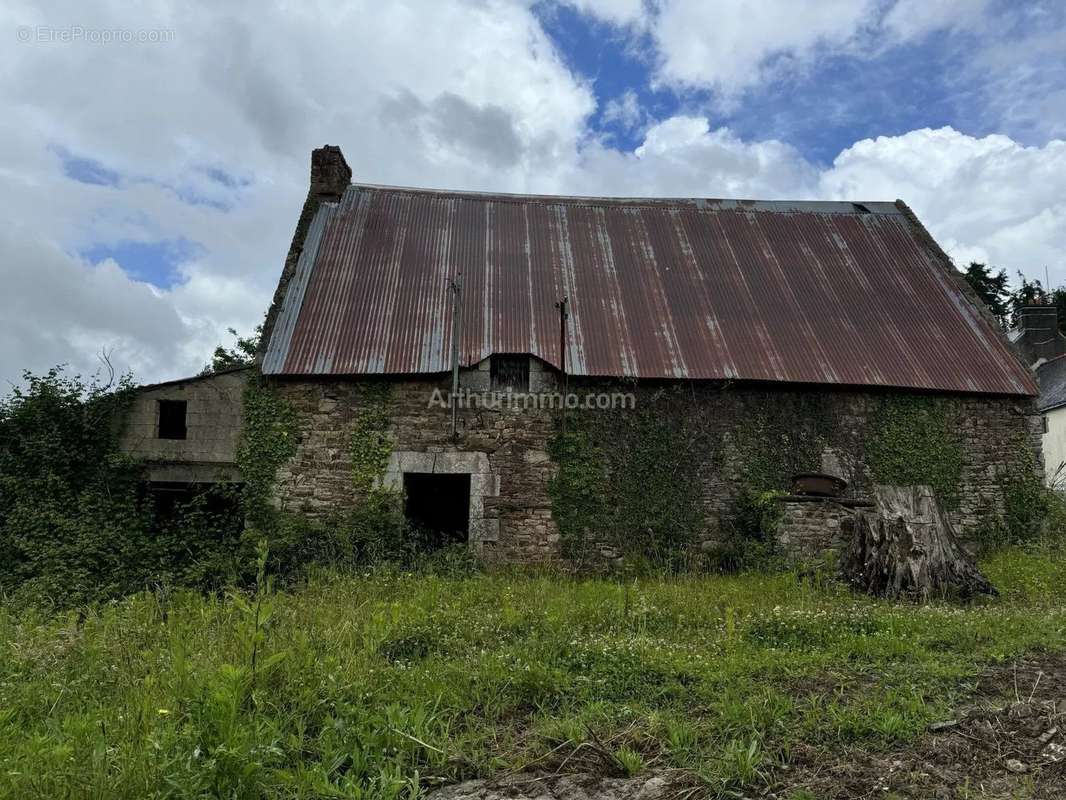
515	510
514	507
811	525
213	426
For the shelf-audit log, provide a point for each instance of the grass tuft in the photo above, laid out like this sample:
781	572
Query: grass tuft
384	685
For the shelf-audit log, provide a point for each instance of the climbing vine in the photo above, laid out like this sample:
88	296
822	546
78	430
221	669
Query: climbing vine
628	481
914	441
371	444
268	440
777	436
377	521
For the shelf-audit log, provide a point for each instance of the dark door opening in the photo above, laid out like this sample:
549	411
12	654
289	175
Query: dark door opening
438	507
173	499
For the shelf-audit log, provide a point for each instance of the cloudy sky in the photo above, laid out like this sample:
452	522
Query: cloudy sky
153	160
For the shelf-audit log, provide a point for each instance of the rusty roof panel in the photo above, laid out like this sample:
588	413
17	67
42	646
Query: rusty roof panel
804	292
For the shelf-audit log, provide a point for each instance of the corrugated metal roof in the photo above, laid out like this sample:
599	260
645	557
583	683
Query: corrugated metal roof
1052	377
831	293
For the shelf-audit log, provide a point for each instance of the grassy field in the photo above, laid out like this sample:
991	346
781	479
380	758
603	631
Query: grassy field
385	685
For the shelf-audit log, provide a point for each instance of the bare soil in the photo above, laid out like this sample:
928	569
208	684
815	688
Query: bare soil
1009	741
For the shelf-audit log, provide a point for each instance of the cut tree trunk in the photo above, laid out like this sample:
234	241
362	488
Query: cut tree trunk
906	548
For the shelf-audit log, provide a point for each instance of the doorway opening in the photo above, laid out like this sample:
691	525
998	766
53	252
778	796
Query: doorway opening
437	507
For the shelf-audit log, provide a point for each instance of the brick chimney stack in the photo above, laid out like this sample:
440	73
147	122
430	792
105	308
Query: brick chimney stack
1037	335
330	177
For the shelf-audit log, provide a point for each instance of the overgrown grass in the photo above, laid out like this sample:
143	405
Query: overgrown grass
386	684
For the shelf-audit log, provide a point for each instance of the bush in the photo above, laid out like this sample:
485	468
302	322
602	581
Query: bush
749	534
75	522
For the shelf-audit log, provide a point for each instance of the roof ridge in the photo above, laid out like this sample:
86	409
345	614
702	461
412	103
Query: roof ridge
712	203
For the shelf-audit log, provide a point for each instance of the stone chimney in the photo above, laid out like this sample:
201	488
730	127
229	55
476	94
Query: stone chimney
330	177
1037	334
330	173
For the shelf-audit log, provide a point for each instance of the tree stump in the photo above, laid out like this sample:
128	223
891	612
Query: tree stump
906	548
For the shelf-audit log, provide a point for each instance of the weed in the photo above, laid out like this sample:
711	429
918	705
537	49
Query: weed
631	762
385	683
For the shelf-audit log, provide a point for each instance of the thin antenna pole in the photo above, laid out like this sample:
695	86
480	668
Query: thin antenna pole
563	315
456	287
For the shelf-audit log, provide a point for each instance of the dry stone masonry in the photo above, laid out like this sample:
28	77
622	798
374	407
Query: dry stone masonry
505	449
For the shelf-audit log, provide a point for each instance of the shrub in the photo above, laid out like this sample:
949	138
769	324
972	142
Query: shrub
749	533
75	522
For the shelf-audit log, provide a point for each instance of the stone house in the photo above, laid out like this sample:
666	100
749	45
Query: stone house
747	339
186	431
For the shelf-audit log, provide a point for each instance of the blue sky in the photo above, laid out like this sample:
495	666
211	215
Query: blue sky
822	106
150	190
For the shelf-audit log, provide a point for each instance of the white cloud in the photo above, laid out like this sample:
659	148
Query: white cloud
734	48
912	19
618	12
624	110
451	94
984	198
683	157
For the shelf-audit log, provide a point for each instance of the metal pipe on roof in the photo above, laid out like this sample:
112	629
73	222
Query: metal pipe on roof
456	287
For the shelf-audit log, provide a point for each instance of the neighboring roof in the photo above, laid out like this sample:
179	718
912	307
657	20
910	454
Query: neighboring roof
144	387
807	292
1052	377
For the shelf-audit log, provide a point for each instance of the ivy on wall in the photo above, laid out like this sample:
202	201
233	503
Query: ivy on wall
268	440
777	435
629	481
914	440
371	444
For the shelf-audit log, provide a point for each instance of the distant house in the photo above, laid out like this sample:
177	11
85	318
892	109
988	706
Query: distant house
186	431
745	306
1042	345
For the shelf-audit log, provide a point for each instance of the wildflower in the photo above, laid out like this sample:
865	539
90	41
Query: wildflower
164	711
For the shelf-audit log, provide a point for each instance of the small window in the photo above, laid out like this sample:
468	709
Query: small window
172	419
510	374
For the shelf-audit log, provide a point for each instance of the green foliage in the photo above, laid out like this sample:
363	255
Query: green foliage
242	354
75	522
628	480
992	288
268	440
1026	504
915	441
578	492
781	434
384	686
630	761
1032	514
371	444
1029	292
748	538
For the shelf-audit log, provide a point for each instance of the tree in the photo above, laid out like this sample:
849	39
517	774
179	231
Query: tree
242	354
1028	294
991	288
1057	298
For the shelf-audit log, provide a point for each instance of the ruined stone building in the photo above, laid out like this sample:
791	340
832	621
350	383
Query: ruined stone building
759	338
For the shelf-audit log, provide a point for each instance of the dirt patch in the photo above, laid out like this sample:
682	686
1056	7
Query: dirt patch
1008	742
1011	742
564	787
